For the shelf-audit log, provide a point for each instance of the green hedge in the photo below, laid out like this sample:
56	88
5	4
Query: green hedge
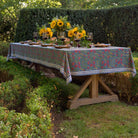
12	93
117	26
4	48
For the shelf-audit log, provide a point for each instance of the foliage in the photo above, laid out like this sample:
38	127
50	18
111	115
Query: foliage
14	124
135	55
101	4
19	93
95	4
108	26
4	48
50	92
9	13
12	92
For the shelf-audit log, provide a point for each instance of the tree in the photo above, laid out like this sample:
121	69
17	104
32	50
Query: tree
101	4
76	4
95	4
9	12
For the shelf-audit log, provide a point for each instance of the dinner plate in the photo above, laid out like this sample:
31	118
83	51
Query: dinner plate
45	45
62	46
102	45
34	43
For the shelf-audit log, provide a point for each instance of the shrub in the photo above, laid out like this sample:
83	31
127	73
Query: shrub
12	93
4	46
36	122
50	92
122	84
14	124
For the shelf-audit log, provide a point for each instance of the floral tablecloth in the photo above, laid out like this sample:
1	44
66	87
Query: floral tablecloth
77	61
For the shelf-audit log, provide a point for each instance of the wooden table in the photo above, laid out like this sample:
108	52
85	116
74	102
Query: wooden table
79	62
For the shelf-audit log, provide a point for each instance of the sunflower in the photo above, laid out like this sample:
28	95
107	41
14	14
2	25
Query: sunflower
53	24
68	25
84	33
43	30
79	35
60	23
75	30
50	34
70	33
40	32
48	29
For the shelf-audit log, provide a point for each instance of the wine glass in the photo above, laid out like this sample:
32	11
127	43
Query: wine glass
45	36
35	35
90	36
62	36
77	39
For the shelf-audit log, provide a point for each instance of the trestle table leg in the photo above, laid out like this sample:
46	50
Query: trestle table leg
92	82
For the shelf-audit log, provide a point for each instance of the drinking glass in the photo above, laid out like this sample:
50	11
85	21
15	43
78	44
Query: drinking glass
45	36
35	35
90	36
77	40
62	36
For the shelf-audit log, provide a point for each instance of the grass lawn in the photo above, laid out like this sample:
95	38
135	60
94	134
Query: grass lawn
101	120
105	120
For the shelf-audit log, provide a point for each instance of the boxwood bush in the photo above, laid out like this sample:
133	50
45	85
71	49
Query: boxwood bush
33	119
12	93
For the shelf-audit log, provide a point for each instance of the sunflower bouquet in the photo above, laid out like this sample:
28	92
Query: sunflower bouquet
45	30
60	24
77	31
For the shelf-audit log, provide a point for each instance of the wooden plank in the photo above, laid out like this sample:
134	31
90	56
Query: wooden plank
37	67
93	87
90	89
82	88
31	65
86	101
106	87
23	62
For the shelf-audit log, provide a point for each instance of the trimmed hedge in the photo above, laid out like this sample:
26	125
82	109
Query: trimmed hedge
117	26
